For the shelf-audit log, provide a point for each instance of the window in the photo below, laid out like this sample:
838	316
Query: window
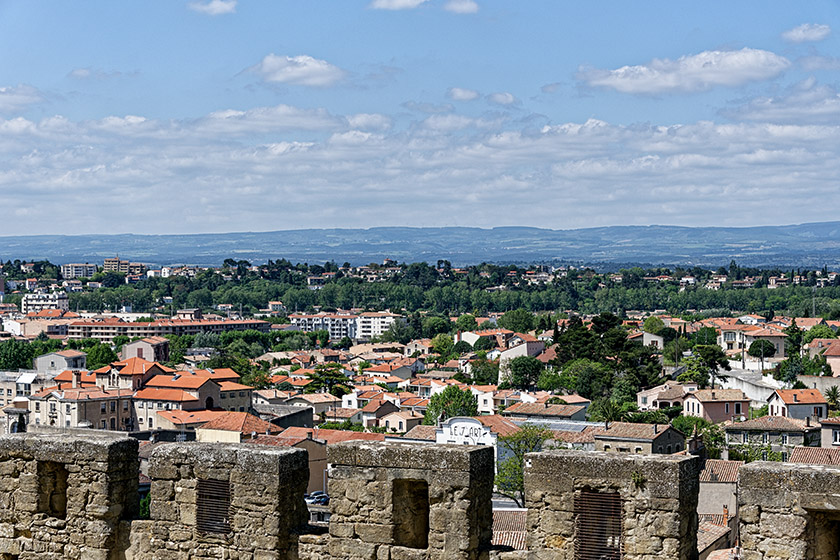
104	425
638	450
737	408
113	406
835	437
212	508
241	393
141	404
150	421
37	406
784	439
67	409
818	411
125	405
241	409
411	513
726	408
224	395
765	437
599	524
103	408
52	407
140	420
52	489
644	400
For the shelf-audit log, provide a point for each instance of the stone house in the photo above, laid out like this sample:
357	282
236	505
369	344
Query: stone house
320	402
152	348
719	488
75	406
830	432
639	439
716	405
375	410
780	433
234	396
60	361
401	421
798	403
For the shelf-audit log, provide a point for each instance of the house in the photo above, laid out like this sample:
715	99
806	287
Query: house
60	361
184	419
400	421
716	405
830	432
781	434
719	487
531	348
639	439
316	450
72	405
234	427
320	402
798	403
664	396
529	411
152	348
373	411
340	414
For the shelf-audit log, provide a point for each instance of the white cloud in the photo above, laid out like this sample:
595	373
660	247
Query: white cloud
461	6
234	170
396	4
502	98
428	108
301	70
806	102
462	94
214	7
807	32
95	74
18	98
690	73
369	121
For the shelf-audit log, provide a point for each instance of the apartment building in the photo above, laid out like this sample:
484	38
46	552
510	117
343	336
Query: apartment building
78	270
33	303
116	264
372	324
338	325
108	328
78	406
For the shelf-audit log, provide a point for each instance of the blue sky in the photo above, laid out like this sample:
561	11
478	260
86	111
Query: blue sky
174	116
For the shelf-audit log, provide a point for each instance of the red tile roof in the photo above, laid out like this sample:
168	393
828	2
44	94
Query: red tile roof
815	455
332	436
164	394
241	422
718	395
774	423
718	470
801	396
542	409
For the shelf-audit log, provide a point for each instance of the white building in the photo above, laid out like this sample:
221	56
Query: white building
372	324
338	325
78	270
39	302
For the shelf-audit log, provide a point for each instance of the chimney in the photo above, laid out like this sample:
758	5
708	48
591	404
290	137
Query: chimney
607	425
77	378
725	515
807	421
795	397
713	395
655	428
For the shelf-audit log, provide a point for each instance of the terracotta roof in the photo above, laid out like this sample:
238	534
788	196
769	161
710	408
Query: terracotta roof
178	381
774	423
498	424
719	395
718	470
71	353
420	431
189	417
539	409
233	386
708	533
316	398
164	394
800	396
627	430
834	420
342	412
510	528
815	455
67	375
241	422
331	436
587	435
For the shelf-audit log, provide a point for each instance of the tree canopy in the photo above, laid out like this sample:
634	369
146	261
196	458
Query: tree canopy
450	402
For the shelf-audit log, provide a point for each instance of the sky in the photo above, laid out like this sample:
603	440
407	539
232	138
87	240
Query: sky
171	116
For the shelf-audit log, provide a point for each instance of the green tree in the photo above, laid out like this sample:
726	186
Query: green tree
832	396
510	479
466	323
525	372
762	348
653	325
705	335
462	347
793	342
450	402
100	355
484	371
818	331
518	320
15	354
328	377
442	344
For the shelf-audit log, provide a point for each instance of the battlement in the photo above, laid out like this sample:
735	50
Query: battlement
76	498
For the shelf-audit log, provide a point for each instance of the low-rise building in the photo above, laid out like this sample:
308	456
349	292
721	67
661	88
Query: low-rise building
152	348
38	302
639	439
716	405
767	434
78	270
60	361
798	403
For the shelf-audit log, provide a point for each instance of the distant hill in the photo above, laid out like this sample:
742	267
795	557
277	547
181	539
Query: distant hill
804	245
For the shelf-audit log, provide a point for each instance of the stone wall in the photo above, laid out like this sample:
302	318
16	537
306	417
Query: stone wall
398	500
64	498
222	501
789	511
607	505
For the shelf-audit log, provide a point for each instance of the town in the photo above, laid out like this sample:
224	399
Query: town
728	386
